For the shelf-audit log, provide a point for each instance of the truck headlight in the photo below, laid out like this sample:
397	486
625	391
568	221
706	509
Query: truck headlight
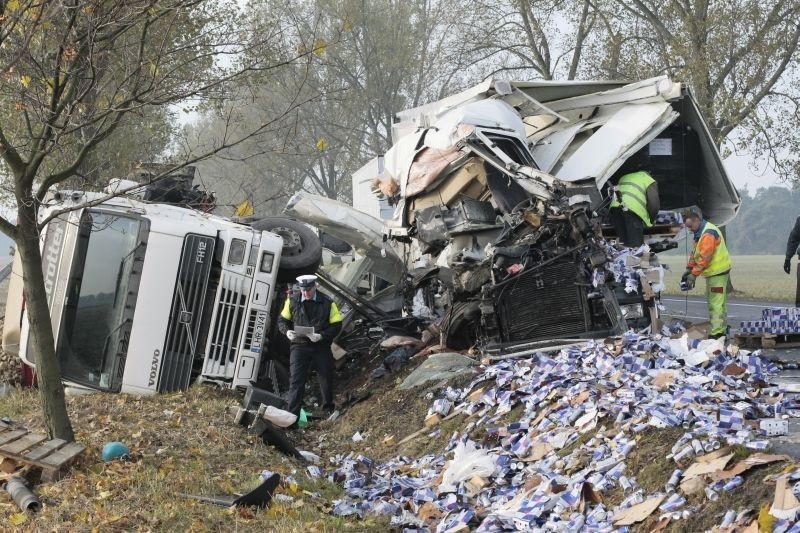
237	251
632	311
266	262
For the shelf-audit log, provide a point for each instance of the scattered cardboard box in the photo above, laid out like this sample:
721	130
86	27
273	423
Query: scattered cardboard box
785	505
638	512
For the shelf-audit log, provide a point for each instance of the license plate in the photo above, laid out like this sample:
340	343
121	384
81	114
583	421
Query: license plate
258	331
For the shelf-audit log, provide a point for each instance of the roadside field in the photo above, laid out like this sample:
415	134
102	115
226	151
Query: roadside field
754	276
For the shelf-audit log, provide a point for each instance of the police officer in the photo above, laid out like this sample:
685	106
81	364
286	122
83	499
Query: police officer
310	308
635	207
710	259
793	247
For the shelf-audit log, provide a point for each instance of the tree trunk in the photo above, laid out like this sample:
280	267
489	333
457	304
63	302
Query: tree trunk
48	373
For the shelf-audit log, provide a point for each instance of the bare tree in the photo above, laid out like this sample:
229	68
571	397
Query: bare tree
74	72
369	59
541	38
739	57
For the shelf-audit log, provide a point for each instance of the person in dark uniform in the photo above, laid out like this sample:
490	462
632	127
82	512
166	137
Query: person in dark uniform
793	247
635	207
310	308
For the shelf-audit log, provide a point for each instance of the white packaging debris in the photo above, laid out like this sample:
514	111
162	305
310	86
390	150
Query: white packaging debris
612	391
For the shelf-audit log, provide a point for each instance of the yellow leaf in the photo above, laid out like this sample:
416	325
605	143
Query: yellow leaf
18	518
13	5
104	495
322	144
319	47
244	209
25	81
766	522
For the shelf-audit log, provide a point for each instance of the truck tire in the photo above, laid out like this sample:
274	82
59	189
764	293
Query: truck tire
302	250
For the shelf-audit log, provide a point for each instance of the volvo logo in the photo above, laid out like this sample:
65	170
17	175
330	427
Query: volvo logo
51	254
154	368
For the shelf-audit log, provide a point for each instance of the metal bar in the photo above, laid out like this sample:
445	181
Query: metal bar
540	105
350	296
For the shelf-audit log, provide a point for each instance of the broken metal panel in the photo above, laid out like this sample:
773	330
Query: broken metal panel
507	177
358	229
653	90
548	153
351	273
630	128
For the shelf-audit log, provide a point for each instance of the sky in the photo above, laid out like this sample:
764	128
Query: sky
739	168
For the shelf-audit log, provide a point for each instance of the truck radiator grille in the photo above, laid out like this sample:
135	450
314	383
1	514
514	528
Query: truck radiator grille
226	327
545	304
186	313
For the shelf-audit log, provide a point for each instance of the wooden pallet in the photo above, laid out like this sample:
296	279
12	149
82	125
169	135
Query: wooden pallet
768	340
35	450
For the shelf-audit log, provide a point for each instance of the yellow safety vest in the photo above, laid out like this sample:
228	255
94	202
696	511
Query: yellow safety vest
721	260
632	189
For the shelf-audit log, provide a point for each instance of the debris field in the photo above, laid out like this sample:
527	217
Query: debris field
561	464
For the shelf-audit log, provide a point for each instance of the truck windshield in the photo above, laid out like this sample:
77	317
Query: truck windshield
92	340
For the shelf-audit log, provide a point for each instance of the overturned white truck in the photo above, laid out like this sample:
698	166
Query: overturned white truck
490	206
145	296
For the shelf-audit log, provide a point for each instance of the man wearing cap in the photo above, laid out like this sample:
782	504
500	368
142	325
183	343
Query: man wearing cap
710	259
792	248
310	308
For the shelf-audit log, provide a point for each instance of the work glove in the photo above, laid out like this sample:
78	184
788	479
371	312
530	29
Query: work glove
690	279
291	334
787	265
314	337
686	274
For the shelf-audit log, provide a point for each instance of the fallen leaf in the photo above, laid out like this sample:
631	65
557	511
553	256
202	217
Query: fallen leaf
17	519
661	525
766	522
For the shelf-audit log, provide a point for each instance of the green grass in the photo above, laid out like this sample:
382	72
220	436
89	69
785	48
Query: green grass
758	277
182	443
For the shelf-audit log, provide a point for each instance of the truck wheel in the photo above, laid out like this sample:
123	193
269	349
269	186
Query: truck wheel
302	250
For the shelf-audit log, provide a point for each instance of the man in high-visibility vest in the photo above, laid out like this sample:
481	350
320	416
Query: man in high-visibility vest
310	309
635	207
710	259
792	248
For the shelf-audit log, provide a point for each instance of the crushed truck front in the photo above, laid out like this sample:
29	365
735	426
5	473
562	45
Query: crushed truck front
496	199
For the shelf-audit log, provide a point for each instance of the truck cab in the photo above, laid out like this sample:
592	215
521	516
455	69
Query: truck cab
145	297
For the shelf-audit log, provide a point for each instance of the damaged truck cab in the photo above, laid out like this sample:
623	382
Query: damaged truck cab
496	198
144	297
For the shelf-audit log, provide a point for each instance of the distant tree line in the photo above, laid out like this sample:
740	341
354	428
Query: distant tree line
764	221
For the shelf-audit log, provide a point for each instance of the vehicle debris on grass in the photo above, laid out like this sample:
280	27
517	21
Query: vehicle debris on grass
603	394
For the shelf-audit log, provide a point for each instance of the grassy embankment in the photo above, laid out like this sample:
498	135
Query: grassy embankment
758	277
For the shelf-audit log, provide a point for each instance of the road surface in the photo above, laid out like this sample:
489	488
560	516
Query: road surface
694	309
